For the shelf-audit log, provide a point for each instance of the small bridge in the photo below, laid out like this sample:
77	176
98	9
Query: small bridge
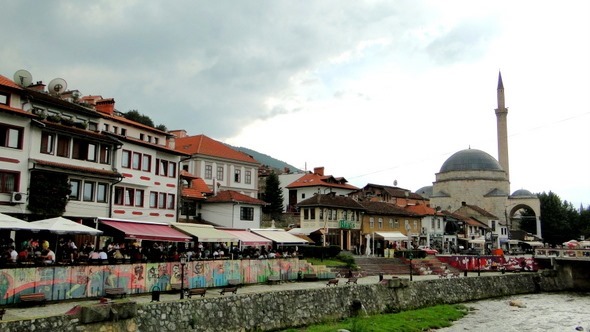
575	263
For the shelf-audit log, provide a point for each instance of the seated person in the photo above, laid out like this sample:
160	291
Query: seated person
49	257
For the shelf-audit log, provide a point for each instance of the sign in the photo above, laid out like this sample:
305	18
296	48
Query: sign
346	224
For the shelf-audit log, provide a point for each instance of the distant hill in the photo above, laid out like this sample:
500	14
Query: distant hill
265	159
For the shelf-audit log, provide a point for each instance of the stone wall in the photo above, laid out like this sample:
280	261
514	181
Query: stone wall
284	309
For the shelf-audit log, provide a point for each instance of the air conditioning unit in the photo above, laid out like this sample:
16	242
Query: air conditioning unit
18	198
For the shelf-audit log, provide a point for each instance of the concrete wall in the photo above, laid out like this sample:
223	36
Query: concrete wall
284	309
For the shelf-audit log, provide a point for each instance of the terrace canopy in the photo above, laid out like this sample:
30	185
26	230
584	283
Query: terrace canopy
248	238
392	236
280	236
205	233
146	230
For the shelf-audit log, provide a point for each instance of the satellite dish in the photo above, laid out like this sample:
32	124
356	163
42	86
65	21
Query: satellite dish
23	78
395	183
57	86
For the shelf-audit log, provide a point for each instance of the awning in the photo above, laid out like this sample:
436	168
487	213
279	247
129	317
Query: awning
205	233
9	222
147	231
304	231
279	236
513	241
477	241
61	225
248	238
534	243
392	236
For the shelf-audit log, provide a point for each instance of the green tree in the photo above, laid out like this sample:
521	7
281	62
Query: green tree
273	195
134	115
560	221
49	193
162	127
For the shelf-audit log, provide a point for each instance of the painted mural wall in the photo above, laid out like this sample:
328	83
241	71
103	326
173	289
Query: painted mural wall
67	282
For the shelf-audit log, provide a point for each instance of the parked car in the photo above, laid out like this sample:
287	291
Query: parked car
428	250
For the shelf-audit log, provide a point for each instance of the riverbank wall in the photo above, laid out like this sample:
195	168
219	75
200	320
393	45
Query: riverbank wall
275	310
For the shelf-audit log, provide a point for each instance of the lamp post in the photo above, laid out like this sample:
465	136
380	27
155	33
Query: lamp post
182	264
410	256
478	266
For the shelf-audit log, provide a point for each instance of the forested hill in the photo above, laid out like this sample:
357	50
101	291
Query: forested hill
265	159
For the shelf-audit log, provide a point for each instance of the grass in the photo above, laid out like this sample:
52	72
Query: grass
408	321
326	261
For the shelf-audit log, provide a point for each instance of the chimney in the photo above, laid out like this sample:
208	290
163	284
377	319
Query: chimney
180	133
106	106
39	86
171	141
463	203
319	171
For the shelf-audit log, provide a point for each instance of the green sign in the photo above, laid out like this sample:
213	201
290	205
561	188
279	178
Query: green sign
346	224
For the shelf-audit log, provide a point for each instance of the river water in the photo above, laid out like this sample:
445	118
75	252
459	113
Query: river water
539	312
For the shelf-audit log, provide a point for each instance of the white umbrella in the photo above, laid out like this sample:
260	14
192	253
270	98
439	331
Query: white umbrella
62	225
8	222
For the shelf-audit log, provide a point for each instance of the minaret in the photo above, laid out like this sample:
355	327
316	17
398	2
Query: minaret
502	128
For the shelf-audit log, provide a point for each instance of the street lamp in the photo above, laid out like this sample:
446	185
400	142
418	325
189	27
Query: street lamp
410	256
182	264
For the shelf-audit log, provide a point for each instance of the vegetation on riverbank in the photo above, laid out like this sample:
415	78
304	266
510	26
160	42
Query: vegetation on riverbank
407	321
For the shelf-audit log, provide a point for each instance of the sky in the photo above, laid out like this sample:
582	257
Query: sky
373	91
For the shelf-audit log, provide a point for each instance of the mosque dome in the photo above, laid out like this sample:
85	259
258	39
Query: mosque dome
522	193
425	191
470	160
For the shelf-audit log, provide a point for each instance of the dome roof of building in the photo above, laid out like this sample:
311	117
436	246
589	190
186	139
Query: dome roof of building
425	191
470	160
522	192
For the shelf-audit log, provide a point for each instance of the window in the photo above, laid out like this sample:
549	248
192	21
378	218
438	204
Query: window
92	126
75	190
91	152
208	171
47	142
139	197
126	159
172	169
115	129
161	167
248	177
146	164
156	140
149	138
136	161
312	213
302	195
220	173
153	199
306	214
106	127
4	99
11	137
129	196
63	146
88	191
101	192
9	181
105	154
371	222
123	132
390	223
380	223
161	200
170	201
247	213
119	195
237	176
142	137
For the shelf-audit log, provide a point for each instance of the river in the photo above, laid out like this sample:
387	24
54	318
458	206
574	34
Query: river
539	312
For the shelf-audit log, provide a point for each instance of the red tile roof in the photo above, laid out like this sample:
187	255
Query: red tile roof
197	190
203	145
8	82
231	196
314	179
421	209
16	110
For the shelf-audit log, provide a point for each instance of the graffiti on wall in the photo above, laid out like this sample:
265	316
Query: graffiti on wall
67	282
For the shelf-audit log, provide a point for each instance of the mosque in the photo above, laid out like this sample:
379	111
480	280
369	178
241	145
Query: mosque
476	178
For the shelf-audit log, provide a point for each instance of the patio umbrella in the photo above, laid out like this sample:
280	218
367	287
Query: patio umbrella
61	225
8	222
